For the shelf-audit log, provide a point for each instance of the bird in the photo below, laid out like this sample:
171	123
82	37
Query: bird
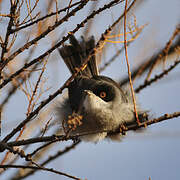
96	105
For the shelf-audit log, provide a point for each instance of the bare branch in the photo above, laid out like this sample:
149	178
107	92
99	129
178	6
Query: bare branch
142	68
39	168
49	159
54	138
157	77
42	35
43	18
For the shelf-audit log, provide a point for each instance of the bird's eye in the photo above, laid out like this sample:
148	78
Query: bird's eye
105	92
102	94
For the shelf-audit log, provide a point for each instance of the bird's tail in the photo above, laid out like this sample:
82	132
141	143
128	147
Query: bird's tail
75	54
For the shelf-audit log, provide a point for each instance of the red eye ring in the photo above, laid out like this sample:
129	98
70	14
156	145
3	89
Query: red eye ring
102	94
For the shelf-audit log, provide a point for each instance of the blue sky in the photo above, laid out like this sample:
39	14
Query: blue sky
153	153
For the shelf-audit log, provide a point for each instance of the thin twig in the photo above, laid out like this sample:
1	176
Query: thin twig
49	159
40	139
114	57
164	52
157	77
38	168
44	17
29	12
10	24
156	120
42	35
4	45
147	123
146	64
128	66
69	5
29	109
21	153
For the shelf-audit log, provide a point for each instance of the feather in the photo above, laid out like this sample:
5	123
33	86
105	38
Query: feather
76	53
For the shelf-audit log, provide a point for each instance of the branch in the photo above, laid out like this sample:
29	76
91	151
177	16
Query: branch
49	159
114	57
10	24
154	121
65	38
157	77
47	31
53	138
44	17
128	127
136	126
39	168
142	68
165	51
127	63
5	44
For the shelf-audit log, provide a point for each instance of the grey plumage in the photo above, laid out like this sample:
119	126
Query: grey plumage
99	100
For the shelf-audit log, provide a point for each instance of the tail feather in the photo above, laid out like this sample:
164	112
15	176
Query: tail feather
75	54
